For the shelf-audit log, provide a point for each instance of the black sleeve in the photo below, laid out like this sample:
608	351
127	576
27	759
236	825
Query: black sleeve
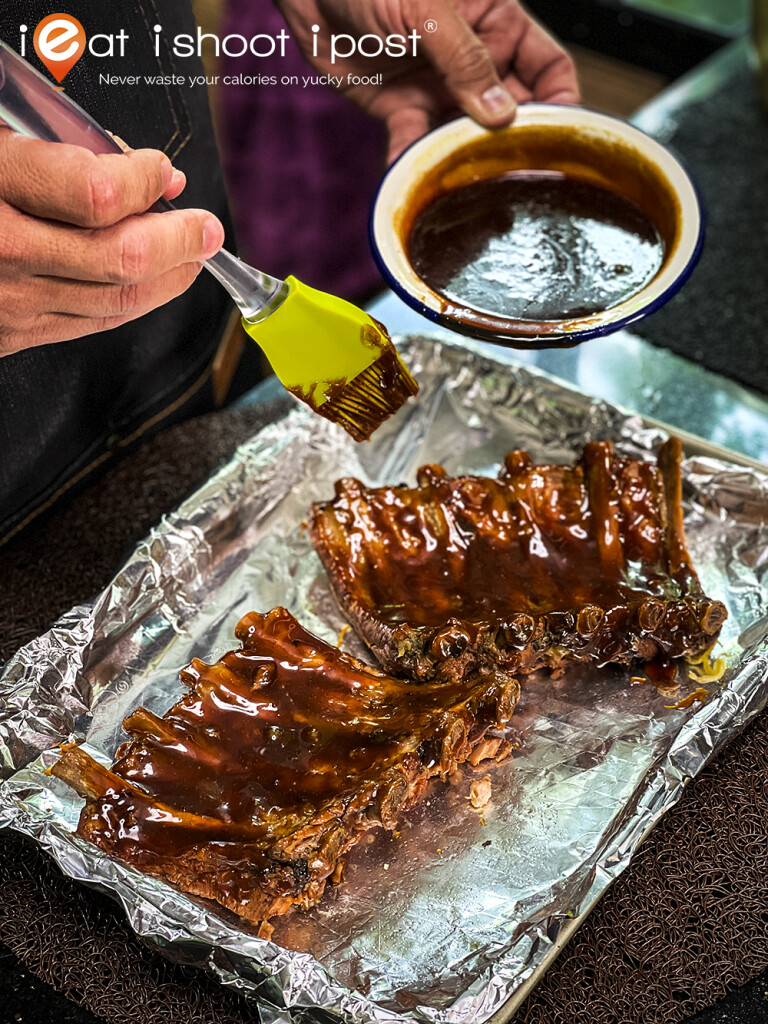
67	408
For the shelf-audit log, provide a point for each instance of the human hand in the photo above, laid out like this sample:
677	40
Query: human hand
78	254
484	57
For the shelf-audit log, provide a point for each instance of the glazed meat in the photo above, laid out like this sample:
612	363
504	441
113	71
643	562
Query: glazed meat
543	566
275	762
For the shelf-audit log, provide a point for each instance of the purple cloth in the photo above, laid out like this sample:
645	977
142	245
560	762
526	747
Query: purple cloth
302	166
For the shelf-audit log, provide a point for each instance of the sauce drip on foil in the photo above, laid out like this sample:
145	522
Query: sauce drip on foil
536	246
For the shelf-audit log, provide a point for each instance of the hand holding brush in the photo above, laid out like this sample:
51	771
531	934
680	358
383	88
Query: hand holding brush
326	352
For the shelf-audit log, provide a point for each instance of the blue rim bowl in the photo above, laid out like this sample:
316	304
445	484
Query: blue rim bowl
589	145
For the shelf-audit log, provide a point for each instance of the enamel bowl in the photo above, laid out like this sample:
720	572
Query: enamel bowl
595	148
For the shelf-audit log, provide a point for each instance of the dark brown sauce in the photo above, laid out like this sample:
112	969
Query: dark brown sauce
265	738
662	672
540	539
545	565
534	246
362	404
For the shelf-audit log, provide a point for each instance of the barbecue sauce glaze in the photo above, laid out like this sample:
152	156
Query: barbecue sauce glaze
279	734
538	246
544	564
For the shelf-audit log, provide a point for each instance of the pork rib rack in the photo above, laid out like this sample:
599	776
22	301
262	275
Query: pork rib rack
543	566
275	762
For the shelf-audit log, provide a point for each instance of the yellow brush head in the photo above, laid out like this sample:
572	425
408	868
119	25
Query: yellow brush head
336	358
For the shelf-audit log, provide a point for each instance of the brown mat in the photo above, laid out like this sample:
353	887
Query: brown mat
684	924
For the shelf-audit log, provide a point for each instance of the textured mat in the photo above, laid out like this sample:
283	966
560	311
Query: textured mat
686	922
719	318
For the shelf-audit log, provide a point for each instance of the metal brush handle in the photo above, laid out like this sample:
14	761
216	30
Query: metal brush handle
30	105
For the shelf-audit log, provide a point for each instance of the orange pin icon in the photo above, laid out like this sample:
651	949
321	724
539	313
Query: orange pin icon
59	43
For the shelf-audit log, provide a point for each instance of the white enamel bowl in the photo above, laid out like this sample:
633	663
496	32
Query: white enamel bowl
592	147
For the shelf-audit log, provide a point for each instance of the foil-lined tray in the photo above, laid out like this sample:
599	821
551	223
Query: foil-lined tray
450	919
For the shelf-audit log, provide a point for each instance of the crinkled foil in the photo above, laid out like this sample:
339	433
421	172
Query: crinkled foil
446	919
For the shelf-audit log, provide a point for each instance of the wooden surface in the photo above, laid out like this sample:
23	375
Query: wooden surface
612	86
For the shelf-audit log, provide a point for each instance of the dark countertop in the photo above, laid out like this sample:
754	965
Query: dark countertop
715	122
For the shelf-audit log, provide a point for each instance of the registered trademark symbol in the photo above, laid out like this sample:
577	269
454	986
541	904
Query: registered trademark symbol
430	26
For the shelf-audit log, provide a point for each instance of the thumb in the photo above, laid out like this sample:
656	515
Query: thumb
467	67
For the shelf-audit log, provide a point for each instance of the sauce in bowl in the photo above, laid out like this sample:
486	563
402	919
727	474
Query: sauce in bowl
565	226
534	245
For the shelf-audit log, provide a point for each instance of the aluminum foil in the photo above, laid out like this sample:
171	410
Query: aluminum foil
448	919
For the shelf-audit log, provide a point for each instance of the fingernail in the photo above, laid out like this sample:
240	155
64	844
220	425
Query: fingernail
213	237
178	180
497	100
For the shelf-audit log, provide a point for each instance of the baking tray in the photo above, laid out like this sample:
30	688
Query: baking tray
453	919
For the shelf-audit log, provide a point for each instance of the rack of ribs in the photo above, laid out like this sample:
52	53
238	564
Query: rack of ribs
275	762
543	566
